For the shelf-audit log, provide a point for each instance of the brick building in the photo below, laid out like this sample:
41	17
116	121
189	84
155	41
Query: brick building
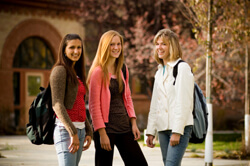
30	34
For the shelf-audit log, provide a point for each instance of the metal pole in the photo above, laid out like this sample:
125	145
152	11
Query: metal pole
209	137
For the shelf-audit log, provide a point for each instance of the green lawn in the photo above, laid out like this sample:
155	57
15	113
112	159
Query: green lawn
224	146
218	146
221	142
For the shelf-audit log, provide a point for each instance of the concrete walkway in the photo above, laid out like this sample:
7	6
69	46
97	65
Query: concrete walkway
18	151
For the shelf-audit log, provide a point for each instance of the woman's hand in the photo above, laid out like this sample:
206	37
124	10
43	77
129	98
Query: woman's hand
175	139
104	140
74	145
87	140
135	129
150	141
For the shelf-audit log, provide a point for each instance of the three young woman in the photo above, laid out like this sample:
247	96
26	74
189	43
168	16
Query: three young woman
68	88
111	106
171	104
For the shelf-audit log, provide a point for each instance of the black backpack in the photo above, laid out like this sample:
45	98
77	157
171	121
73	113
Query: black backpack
41	124
200	112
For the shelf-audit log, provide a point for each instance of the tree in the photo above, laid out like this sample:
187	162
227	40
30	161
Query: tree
229	39
138	22
247	84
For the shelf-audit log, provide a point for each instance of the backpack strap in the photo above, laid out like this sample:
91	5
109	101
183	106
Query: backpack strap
124	71
175	70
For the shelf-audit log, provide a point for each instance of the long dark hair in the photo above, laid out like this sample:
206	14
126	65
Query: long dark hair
79	68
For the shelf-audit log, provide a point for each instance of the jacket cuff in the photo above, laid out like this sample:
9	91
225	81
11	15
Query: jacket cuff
151	132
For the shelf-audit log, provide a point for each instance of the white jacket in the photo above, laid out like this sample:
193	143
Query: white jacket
171	105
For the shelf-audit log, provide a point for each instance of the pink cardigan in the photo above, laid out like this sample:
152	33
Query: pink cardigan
99	98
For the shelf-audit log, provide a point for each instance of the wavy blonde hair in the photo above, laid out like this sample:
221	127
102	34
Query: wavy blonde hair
102	56
170	37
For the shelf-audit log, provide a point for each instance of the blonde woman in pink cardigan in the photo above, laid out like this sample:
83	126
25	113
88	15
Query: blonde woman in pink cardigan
111	106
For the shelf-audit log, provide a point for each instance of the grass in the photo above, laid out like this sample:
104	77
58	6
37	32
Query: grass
218	146
226	142
221	149
224	146
7	147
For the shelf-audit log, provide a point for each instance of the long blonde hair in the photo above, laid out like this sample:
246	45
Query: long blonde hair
174	46
102	56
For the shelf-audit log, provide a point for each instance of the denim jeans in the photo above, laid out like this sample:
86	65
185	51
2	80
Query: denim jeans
62	141
172	155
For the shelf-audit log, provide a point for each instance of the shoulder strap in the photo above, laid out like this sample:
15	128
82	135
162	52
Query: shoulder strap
124	71
175	70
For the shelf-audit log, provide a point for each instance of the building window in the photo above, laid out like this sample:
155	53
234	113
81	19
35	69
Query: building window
33	53
34	82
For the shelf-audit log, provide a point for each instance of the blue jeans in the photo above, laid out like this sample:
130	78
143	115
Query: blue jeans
172	155
62	141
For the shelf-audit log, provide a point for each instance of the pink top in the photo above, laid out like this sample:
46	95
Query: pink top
99	98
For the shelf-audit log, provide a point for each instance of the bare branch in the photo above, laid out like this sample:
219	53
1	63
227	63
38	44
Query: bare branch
189	14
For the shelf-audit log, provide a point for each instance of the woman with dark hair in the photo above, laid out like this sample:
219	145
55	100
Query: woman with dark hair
68	89
111	106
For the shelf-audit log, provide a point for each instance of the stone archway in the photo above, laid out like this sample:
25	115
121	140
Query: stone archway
23	30
27	28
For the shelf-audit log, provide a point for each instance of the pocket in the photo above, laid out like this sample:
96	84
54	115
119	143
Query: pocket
60	134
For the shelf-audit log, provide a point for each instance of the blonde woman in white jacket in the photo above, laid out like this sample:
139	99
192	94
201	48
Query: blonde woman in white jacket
171	104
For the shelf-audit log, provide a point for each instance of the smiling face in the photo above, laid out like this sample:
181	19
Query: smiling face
162	49
73	50
115	47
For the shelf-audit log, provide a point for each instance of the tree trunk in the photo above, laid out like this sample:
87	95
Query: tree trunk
247	115
247	88
209	137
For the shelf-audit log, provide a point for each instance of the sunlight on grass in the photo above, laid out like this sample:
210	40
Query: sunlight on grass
218	145
7	147
228	146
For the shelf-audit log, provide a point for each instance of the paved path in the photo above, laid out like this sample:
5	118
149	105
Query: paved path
18	151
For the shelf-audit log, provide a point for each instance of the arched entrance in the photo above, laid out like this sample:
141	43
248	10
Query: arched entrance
31	65
28	55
